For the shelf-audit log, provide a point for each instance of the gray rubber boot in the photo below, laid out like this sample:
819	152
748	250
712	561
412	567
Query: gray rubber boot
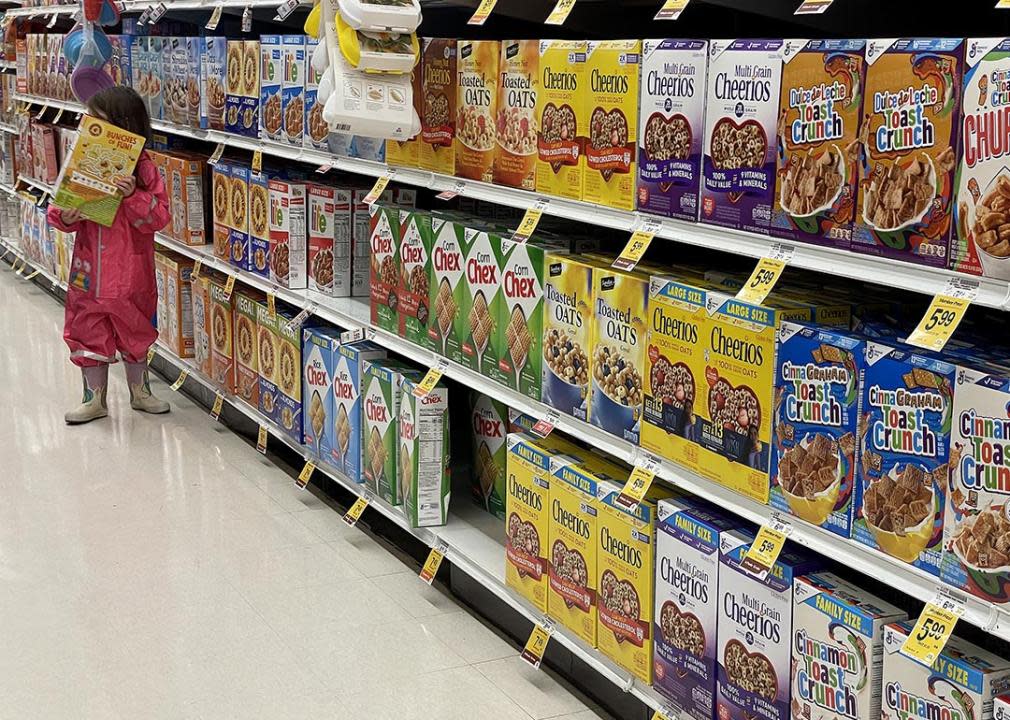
92	407
141	397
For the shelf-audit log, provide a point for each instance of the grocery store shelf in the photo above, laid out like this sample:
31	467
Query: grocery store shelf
139	6
32	11
8	128
8	66
37	184
9	246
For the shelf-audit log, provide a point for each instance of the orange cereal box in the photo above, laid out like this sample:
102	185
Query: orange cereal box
516	154
476	103
560	98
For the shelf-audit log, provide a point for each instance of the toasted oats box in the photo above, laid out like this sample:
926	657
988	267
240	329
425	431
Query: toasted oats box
816	424
438	116
271	82
288	237
516	150
741	113
348	390
245	302
569	316
687	602
319	358
675	367
487	476
907	409
837	642
289	377
385	266
214	79
447	323
201	324
222	356
619	345
423	455
755	626
381	397
476	108
561	98
671	127
266	355
482	295
412	289
819	112
976	526
911	111
316	130
610	119
960	685
293	89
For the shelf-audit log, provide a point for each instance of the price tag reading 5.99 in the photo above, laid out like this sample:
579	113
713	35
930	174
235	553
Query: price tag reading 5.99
939	322
762	280
930	634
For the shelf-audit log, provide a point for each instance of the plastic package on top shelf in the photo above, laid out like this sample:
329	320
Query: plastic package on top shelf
377	51
389	15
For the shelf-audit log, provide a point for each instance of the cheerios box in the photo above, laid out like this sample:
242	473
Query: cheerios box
213	77
447	310
816	423
569	315
621	301
266	356
407	153
837	646
476	108
755	627
385	266
222	357
687	602
516	151
976	526
423	455
293	88
348	390
319	364
412	288
961	684
905	435
820	109
380	403
560	162
245	303
438	115
671	127
911	124
741	114
482	300
288	233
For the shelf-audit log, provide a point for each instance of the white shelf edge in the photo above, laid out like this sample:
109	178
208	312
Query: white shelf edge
7	245
138	6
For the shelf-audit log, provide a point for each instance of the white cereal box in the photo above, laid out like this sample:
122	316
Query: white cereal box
348	378
838	636
423	455
1001	708
287	233
329	243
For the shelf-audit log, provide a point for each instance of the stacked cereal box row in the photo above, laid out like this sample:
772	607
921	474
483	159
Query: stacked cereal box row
44	246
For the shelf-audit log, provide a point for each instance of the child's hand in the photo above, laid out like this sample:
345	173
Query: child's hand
126	184
70	215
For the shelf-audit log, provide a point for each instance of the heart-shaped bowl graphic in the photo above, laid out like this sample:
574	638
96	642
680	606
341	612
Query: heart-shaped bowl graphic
743	668
913	540
676	148
827	204
965	528
673	623
724	160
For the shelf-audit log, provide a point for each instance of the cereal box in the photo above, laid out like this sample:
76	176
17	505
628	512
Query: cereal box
980	245
687	602
619	344
288	240
482	295
348	374
288	376
561	98
178	334
1001	708
266	355
675	367
476	108
407	153
423	455
319	357
193	74
438	116
569	316
447	323
741	113
911	111
487	477
233	85
201	308
907	407
960	685
818	134
816	423
516	151
755	625
176	63
293	88
222	357
238	193
415	268
271	81
185	192
259	223
316	129
837	642
221	192
672	124
381	406
385	266
156	63
976	525
245	302
322	264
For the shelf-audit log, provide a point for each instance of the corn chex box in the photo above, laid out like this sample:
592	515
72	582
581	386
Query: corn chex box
423	455
381	409
490	427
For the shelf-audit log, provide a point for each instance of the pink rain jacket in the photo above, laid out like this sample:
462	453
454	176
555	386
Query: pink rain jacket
113	295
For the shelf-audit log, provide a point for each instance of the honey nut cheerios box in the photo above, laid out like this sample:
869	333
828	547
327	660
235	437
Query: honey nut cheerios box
738	163
837	645
288	376
527	509
755	628
489	419
516	150
246	302
438	113
961	684
671	127
319	358
348	394
561	133
818	141
568	325
380	404
476	108
687	601
266	355
447	309
610	119
412	291
911	120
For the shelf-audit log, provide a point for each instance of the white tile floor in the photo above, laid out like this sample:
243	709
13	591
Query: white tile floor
160	568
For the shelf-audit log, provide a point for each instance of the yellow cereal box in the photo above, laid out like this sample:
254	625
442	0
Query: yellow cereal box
407	153
560	100
625	578
674	367
568	323
610	119
516	154
476	108
527	513
438	116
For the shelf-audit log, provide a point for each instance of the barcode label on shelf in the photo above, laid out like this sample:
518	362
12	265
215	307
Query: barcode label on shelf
377	189
767	273
671	10
52	21
324	168
306	474
429	381
215	412
530	220
180	380
457	189
637	245
158	13
286	9
560	12
354	513
482	12
59	114
34	273
229	286
144	17
813	7
216	155
298	320
357	335
257	161
247	19
271	304
434	561
931	632
536	646
151	352
215	18
261	439
640	480
197	267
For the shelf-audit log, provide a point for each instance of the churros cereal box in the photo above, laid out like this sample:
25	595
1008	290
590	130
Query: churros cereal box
412	290
818	141
476	108
438	116
911	114
490	426
516	152
423	455
385	266
482	301
447	325
245	303
348	391
560	100
569	315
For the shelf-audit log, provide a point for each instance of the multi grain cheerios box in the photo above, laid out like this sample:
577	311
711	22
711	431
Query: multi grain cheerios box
319	356
905	428
687	601
738	177
476	108
348	391
980	245
245	303
438	116
289	376
266	355
960	685
222	356
837	645
516	151
755	626
288	237
482	295
489	419
818	141
619	344
423	455
911	111
381	388
385	266
568	324
610	119
816	421
671	127
412	310
560	100
976	526
446	306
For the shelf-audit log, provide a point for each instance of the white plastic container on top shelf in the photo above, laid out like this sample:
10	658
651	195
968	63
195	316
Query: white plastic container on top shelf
377	51
403	16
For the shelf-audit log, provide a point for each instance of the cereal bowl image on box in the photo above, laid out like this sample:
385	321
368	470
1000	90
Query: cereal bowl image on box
817	503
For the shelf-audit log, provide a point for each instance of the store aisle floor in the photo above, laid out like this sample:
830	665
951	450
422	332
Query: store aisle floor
157	567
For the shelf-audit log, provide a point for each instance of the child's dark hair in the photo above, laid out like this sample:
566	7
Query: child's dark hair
122	107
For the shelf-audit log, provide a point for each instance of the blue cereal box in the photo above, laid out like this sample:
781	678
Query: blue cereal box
348	374
319	353
293	89
271	82
907	406
816	418
213	72
316	130
193	75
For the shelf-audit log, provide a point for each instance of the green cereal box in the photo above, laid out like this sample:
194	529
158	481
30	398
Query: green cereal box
423	455
482	301
415	268
448	310
568	323
620	303
381	404
384	273
487	477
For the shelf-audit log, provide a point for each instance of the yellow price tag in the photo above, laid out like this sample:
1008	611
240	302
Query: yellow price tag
257	161
536	646
764	551
530	220
761	281
429	381
665	713
215	412
180	380
433	562
1002	4
671	10
639	481
271	304
33	274
939	323
813	7
197	267
306	474
482	12
151	352
215	18
261	439
931	632
229	286
377	189
636	247
560	12
59	114
352	516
